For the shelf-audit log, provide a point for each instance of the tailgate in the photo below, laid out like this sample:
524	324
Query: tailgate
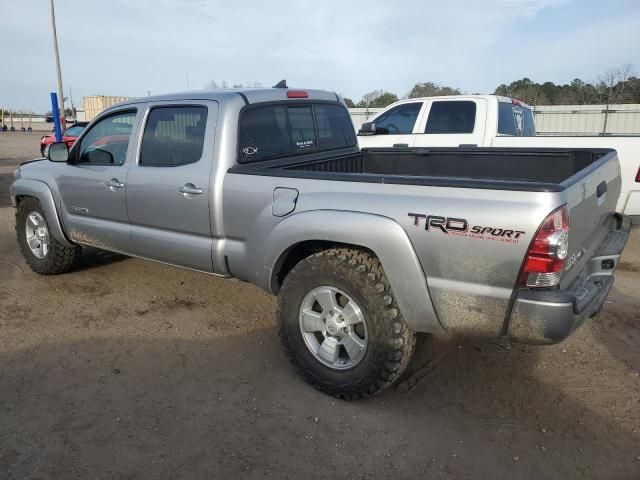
592	195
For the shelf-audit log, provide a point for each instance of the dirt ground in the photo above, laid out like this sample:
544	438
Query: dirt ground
127	369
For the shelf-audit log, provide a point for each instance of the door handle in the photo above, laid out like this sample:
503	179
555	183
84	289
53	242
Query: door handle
189	189
114	184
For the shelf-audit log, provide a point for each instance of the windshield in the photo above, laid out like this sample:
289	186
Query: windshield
515	120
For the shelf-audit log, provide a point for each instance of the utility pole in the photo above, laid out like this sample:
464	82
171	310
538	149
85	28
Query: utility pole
55	47
74	114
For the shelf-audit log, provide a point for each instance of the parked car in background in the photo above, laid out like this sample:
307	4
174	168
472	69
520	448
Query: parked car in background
490	121
363	248
69	136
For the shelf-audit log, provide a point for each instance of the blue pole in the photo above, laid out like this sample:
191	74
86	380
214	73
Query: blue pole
56	116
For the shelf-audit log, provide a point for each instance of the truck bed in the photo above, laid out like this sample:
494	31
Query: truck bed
471	276
546	170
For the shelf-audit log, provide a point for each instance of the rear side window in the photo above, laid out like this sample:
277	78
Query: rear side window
515	120
173	136
400	119
451	117
272	131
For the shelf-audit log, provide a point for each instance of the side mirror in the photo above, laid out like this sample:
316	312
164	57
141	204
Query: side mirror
367	128
370	128
58	152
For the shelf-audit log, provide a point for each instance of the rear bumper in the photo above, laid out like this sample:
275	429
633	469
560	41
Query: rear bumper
549	316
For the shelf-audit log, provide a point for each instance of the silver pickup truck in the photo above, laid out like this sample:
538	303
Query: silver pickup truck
363	248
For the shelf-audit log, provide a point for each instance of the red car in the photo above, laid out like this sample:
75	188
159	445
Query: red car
69	136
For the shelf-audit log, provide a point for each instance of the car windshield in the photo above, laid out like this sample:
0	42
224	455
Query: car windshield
74	131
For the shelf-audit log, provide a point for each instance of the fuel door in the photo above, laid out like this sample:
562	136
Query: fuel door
284	201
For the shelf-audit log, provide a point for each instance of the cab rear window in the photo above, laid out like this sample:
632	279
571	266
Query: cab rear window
272	131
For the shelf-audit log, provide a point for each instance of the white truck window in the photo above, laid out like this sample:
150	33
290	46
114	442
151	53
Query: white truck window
451	117
399	120
515	120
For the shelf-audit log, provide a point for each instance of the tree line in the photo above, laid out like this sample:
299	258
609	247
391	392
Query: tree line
615	86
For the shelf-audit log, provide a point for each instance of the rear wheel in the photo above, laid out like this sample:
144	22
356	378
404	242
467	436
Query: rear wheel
341	326
42	252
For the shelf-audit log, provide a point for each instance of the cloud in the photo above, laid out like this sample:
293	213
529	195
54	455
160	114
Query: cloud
529	8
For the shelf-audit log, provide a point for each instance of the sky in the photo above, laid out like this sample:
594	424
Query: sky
133	47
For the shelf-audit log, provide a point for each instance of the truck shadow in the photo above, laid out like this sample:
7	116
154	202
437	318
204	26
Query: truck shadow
94	258
617	327
159	405
531	400
6	179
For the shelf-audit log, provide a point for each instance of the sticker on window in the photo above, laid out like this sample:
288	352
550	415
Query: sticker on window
250	150
304	144
518	118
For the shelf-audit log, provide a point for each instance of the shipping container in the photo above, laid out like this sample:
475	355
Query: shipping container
95	104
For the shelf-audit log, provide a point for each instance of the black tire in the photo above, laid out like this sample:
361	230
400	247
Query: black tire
390	342
59	258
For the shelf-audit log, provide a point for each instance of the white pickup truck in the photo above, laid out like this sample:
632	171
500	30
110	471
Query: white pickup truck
490	121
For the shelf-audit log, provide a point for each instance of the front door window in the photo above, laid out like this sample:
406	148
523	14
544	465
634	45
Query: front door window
107	141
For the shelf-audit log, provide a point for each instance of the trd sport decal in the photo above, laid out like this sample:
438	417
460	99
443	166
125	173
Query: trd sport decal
459	227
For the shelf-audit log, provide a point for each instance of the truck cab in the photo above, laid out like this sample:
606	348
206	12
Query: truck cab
449	121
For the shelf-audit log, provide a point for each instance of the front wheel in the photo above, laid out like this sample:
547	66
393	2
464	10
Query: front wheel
341	326
42	252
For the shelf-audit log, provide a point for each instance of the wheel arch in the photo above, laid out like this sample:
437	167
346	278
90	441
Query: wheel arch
305	233
301	250
24	187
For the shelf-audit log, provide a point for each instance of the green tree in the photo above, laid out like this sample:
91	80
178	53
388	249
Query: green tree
616	85
213	85
377	99
350	103
430	89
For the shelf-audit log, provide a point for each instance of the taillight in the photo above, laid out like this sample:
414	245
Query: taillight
297	94
638	176
544	263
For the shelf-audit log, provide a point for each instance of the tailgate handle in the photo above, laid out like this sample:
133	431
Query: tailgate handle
602	189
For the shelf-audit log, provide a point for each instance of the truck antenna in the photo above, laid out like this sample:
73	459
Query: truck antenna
281	84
